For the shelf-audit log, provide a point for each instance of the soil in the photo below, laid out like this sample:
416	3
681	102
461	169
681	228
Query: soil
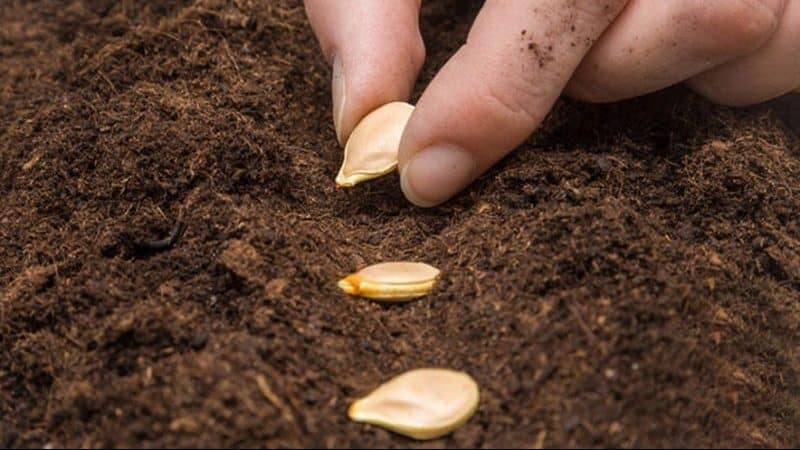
171	238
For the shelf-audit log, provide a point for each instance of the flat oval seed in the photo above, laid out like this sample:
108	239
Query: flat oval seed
399	272
422	403
391	281
371	150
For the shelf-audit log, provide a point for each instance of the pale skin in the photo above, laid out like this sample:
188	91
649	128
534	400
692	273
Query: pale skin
521	55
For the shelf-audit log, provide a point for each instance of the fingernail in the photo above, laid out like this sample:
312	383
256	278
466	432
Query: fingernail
338	91
436	174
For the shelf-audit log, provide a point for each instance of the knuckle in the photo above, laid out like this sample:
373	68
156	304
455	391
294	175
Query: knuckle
587	89
756	19
737	25
603	11
518	101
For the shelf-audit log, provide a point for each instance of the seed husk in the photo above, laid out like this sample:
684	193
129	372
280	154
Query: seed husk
391	281
371	150
422	403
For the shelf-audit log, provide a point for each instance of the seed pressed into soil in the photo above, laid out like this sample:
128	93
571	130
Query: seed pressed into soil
628	277
391	281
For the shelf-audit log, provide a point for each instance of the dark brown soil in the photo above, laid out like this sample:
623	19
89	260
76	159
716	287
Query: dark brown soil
629	277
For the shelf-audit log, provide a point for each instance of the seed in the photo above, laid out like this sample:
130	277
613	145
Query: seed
422	403
391	281
371	150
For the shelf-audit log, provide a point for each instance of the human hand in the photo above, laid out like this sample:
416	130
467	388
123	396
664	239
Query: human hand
521	54
735	53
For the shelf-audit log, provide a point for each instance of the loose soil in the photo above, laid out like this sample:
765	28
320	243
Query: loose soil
171	237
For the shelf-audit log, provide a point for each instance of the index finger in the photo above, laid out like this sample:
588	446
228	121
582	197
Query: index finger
495	91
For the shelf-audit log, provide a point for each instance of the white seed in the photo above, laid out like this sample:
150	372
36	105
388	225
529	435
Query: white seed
371	150
391	281
422	403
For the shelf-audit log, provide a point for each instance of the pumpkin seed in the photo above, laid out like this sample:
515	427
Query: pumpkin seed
371	150
421	403
391	281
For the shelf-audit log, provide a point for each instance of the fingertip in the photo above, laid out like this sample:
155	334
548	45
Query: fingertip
411	194
436	174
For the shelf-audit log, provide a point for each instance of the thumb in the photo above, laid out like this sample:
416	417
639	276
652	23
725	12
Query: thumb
495	91
376	50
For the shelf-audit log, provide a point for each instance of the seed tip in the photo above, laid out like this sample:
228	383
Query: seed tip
352	411
344	182
350	284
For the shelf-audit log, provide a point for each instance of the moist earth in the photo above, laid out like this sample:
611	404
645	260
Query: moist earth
171	237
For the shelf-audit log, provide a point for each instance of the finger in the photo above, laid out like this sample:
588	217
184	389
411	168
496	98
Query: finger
376	51
652	45
495	90
770	72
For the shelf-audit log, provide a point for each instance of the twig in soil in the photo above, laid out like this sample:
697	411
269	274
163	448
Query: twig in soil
276	401
383	327
582	324
545	375
167	242
233	60
104	77
74	341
